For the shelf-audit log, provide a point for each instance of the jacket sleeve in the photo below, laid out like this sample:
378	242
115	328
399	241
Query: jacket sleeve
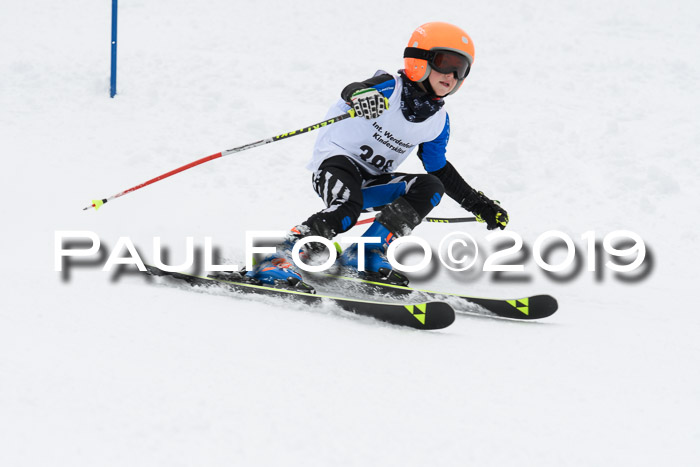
455	186
433	156
382	82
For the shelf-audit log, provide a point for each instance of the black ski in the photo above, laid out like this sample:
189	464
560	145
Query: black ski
526	308
429	314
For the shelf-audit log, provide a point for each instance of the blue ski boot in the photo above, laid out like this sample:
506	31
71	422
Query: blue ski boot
376	265
278	270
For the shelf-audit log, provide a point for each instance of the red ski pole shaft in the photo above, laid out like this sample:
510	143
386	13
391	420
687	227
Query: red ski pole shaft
97	203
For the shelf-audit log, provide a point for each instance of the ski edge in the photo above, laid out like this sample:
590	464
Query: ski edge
547	305
425	315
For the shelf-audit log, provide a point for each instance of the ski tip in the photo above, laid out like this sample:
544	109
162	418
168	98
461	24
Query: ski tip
546	301
431	315
550	303
541	306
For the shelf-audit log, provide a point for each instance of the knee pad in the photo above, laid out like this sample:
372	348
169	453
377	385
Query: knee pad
399	217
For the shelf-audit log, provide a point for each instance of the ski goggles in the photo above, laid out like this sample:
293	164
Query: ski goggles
442	61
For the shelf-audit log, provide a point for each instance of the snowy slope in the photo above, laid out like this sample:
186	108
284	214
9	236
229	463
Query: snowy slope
578	116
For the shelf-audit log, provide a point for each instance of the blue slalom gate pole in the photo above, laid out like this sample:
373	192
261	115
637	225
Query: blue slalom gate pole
113	76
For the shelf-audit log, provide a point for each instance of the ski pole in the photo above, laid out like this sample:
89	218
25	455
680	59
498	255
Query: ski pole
97	203
439	220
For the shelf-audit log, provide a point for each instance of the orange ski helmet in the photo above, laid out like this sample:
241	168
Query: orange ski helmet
440	46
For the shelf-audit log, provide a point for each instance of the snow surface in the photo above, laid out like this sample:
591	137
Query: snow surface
577	115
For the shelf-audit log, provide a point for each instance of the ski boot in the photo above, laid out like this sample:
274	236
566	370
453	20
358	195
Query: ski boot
376	265
278	269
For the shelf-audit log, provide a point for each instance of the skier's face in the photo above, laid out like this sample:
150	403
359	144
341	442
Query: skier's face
442	84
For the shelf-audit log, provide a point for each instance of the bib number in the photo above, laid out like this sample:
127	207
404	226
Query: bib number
376	160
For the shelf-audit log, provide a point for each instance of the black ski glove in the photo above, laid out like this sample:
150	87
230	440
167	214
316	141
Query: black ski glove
486	210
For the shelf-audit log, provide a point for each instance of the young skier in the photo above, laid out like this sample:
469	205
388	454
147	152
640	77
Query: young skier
354	161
